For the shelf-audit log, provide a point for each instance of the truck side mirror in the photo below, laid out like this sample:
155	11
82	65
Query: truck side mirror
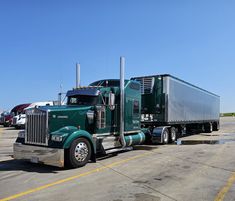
111	101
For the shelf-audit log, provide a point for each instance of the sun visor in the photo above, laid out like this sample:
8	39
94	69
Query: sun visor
84	91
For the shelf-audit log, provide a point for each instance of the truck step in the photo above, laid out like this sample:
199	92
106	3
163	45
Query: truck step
110	151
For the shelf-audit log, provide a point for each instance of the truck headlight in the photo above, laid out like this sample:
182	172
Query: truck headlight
21	134
57	138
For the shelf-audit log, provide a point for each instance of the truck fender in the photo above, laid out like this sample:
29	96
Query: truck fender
157	134
79	134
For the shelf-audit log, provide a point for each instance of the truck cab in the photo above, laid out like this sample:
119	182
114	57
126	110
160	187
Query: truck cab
89	124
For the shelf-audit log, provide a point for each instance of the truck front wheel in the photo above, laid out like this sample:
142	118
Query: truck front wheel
78	154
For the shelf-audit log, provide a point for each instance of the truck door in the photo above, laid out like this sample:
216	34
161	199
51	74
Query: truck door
106	118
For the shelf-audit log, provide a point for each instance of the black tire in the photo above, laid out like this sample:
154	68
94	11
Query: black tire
17	127
78	154
203	130
208	128
173	134
6	125
216	126
165	136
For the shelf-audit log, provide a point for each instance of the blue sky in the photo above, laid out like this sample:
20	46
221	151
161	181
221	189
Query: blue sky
41	41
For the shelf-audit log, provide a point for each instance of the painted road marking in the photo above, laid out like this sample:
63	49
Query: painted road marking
225	189
74	177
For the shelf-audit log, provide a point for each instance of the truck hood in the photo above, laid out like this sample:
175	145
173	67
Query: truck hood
61	116
64	108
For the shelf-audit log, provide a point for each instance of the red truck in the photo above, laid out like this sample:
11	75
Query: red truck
7	118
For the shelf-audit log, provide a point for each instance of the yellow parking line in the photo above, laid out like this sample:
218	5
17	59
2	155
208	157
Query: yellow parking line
225	189
73	177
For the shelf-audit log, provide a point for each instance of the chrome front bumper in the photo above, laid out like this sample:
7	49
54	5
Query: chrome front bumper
36	154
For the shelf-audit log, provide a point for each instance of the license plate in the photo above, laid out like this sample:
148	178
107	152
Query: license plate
34	160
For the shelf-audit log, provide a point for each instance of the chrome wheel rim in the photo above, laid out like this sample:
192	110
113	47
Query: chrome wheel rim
173	135
165	136
81	151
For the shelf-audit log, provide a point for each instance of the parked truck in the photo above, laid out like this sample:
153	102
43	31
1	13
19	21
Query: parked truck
7	119
110	115
2	117
19	120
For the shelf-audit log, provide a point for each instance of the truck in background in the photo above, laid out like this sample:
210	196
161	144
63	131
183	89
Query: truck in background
111	115
8	117
2	117
19	120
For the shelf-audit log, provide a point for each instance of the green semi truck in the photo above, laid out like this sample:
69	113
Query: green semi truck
111	115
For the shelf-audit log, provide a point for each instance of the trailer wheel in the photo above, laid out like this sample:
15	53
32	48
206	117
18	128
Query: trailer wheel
17	127
216	126
208	127
165	136
78	154
173	134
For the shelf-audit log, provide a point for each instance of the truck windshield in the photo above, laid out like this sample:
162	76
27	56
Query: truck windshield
82	100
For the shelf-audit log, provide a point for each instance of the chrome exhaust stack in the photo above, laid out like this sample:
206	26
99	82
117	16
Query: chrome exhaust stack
122	82
78	84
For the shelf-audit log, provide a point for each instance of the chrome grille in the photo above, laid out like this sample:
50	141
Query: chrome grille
36	130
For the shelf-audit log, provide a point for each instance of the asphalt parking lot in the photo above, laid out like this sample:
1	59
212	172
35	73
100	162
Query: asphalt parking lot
198	167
